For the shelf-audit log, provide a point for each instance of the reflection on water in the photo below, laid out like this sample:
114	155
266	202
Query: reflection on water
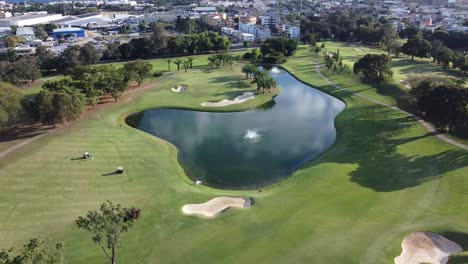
217	148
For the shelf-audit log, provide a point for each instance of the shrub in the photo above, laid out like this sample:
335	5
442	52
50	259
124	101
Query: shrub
157	74
274	58
247	56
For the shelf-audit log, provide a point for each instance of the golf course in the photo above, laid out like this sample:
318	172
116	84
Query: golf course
384	177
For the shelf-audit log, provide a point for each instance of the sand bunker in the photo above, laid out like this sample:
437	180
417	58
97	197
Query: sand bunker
216	206
239	99
179	89
426	247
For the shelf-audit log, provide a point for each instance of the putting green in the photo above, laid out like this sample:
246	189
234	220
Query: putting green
383	178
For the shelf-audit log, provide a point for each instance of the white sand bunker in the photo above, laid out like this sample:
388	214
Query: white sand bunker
239	99
426	247
216	206
179	89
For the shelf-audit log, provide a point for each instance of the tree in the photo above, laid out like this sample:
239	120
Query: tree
374	67
263	81
142	26
458	60
124	29
178	62
118	84
444	104
279	44
390	41
107	224
312	40
256	54
138	70
40	32
246	44
436	48
12	40
159	38
249	70
190	62
417	46
24	70
88	54
213	61
169	60
186	64
445	56
37	251
50	27
10	103
59	101
70	58
45	59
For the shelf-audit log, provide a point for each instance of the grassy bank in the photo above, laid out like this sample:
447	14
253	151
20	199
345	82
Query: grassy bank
383	178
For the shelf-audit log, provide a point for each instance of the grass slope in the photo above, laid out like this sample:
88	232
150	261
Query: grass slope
383	178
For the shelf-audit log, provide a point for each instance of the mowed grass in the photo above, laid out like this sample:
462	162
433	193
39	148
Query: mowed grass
383	178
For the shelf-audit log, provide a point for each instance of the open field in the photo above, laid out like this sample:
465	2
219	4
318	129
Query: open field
383	178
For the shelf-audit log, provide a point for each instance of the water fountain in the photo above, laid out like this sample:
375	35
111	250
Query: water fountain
275	70
252	135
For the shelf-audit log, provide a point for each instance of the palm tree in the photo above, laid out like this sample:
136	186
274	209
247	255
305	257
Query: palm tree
190	61
249	70
186	64
269	83
263	81
212	61
178	62
169	64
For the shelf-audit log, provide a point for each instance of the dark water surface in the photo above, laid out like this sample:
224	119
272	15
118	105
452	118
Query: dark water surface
248	150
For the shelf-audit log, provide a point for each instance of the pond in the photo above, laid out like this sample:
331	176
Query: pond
251	149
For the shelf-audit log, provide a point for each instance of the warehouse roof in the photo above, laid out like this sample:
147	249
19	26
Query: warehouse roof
26	17
24	31
67	29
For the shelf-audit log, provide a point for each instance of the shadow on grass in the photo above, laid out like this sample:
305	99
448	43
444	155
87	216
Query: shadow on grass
110	173
370	138
461	239
458	259
80	158
224	79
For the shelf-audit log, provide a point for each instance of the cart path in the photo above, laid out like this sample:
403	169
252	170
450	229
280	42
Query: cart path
425	124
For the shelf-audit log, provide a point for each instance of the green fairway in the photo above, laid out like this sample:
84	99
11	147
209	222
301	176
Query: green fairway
383	178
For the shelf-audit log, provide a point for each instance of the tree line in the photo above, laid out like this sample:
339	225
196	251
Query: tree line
66	98
358	26
161	44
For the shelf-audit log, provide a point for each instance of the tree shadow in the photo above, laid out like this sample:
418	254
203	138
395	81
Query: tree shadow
224	79
237	84
229	94
370	137
458	259
22	132
460	238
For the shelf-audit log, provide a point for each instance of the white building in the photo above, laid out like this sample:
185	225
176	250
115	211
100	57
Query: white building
29	20
269	21
258	31
293	32
247	37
